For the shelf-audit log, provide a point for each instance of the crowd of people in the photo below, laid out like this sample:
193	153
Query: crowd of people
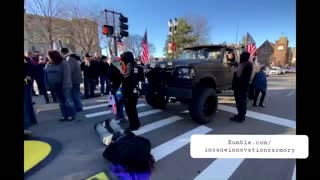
61	74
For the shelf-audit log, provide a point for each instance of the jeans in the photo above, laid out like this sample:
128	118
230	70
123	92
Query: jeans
75	95
241	102
29	114
119	104
89	86
131	110
104	81
65	102
257	92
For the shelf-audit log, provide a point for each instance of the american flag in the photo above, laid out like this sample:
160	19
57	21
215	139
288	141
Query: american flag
145	49
251	46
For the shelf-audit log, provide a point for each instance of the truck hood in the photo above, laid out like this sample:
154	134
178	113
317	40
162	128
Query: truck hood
179	63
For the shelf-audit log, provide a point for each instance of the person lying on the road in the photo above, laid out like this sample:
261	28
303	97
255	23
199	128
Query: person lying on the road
130	155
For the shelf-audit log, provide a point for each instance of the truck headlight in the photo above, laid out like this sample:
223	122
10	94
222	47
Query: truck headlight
185	73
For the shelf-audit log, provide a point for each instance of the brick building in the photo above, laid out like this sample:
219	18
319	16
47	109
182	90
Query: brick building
281	52
36	36
292	56
265	53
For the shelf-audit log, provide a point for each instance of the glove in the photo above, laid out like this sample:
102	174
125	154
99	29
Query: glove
119	94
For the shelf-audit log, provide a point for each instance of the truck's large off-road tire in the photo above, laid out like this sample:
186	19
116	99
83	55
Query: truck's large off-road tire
204	105
156	100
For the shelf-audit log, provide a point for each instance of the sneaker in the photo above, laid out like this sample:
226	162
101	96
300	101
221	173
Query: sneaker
263	106
70	118
27	133
237	119
63	119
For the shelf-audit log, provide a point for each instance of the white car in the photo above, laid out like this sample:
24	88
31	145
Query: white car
277	71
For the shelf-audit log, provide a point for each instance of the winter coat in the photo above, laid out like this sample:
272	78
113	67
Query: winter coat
241	78
260	81
58	76
91	71
128	83
115	77
103	67
76	75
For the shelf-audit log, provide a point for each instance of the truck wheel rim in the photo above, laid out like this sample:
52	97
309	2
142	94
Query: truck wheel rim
208	107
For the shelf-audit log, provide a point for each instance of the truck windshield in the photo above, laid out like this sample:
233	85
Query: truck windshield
202	54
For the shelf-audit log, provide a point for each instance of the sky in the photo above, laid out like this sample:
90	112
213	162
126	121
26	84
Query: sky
263	19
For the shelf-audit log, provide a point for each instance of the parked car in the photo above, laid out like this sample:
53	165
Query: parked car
277	71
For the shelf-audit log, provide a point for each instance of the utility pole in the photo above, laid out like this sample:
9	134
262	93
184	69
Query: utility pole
114	37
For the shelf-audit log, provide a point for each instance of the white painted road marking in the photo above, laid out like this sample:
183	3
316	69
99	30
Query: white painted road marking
171	146
102	100
95	106
147	113
107	112
294	173
157	125
262	117
291	93
220	169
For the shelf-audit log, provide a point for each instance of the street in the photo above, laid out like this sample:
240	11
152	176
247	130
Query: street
169	131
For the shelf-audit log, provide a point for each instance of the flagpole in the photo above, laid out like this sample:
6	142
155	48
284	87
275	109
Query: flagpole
237	35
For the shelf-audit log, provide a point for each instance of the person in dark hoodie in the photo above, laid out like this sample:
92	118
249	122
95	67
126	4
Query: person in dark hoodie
59	79
104	66
89	72
29	114
129	90
115	78
260	85
240	85
76	77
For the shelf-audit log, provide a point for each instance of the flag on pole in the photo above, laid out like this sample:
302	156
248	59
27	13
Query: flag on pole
145	49
251	46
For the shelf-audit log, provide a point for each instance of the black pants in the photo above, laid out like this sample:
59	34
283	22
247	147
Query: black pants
257	92
241	102
43	90
131	109
89	86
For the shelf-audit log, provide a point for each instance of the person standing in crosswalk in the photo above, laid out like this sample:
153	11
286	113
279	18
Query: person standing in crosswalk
129	90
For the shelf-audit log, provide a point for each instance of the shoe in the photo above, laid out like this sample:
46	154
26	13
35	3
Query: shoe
27	133
263	106
33	103
70	118
79	110
233	117
62	119
254	105
237	119
134	128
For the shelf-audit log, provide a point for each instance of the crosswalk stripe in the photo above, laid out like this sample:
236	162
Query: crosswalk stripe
262	117
147	113
171	146
91	115
294	173
95	106
220	169
158	124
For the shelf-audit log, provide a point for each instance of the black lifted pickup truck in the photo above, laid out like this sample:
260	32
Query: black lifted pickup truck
194	79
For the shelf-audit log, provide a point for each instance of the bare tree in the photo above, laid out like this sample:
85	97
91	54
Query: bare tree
200	28
134	43
84	27
46	11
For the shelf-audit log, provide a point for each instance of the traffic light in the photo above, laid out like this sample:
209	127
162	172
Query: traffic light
123	26
107	30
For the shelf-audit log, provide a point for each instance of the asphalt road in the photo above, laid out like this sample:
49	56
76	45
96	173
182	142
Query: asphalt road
81	154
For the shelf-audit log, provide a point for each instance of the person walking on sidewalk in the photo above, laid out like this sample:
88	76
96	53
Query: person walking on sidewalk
130	91
76	77
260	85
240	85
58	78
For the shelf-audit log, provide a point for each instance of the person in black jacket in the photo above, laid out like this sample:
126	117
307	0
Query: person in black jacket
89	69
104	82
29	114
41	84
240	85
130	92
115	78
